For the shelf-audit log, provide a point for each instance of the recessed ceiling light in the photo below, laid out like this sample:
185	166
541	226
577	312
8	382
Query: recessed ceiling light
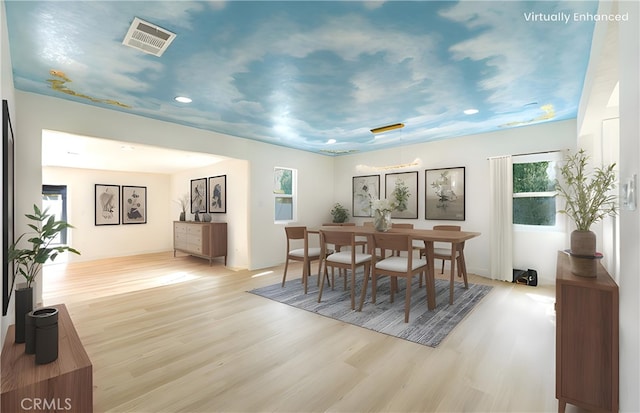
470	111
330	141
127	148
183	99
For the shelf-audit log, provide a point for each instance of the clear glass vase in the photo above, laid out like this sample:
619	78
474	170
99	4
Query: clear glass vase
382	220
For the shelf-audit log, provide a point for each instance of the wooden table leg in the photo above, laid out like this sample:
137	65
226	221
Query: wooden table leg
431	281
306	268
454	253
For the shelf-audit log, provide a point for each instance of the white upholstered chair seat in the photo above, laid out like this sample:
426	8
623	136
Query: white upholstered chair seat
313	252
344	257
444	251
399	264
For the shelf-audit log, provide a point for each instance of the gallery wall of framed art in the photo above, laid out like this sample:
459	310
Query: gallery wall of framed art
443	192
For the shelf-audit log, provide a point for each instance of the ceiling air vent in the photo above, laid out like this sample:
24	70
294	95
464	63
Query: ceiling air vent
148	37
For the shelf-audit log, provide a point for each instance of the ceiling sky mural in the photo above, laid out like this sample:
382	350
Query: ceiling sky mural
316	76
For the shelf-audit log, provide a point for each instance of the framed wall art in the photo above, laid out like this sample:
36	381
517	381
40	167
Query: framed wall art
107	203
444	194
198	195
134	204
402	187
365	190
218	194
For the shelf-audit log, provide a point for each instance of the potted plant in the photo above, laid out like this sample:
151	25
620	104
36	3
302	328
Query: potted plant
339	213
588	199
29	261
184	202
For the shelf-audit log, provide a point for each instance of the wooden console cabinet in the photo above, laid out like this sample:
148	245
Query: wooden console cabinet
201	239
65	384
587	370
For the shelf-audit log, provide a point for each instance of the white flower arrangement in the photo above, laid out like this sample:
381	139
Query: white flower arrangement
383	205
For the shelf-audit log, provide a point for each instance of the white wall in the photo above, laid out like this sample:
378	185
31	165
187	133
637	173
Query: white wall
265	239
532	249
615	56
237	216
104	241
629	220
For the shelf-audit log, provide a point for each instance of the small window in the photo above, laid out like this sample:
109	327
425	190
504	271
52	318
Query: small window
284	191
54	197
534	194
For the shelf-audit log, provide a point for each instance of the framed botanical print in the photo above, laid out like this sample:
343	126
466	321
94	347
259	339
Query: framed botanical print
402	188
366	189
218	194
444	194
198	195
134	204
107	204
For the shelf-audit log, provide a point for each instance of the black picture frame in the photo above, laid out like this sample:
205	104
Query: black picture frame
199	197
134	204
107	204
8	205
365	189
410	181
218	194
445	194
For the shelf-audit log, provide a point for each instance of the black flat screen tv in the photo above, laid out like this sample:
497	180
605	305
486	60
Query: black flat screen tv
8	187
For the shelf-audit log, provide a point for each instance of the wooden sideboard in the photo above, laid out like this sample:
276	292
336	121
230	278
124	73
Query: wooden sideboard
587	369
201	239
65	384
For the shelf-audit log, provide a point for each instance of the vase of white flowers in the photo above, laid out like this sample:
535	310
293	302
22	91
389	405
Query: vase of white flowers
382	214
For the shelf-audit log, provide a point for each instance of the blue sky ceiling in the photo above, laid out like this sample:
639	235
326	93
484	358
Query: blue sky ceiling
302	73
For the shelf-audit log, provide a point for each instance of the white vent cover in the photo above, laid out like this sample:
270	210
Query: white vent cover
148	37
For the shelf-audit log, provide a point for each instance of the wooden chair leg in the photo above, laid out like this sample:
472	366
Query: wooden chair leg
286	265
407	302
363	294
374	287
326	273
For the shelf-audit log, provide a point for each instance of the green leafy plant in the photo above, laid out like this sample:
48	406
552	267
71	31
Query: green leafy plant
401	195
587	195
29	260
339	213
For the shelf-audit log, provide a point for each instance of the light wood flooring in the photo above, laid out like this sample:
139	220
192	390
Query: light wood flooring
172	334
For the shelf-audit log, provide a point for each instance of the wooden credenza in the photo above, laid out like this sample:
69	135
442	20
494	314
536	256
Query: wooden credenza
201	239
587	369
66	384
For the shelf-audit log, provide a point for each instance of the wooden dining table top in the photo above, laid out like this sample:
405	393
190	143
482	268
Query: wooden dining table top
415	233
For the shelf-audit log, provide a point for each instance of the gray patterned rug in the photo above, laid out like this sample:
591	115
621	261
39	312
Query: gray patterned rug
425	327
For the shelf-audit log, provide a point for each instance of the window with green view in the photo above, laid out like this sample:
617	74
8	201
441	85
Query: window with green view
534	195
284	194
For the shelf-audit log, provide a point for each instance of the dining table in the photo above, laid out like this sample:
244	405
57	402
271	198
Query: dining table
457	240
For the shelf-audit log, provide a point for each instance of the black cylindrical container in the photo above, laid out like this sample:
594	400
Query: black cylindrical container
23	304
30	333
46	322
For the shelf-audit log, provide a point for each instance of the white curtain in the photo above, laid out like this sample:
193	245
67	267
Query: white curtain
501	187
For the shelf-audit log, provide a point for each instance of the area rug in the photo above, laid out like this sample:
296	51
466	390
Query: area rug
425	327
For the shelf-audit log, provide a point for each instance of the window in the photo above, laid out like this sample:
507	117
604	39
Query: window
284	191
534	194
54	197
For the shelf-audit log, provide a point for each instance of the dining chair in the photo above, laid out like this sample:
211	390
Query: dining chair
400	225
297	235
359	242
395	266
443	252
347	260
